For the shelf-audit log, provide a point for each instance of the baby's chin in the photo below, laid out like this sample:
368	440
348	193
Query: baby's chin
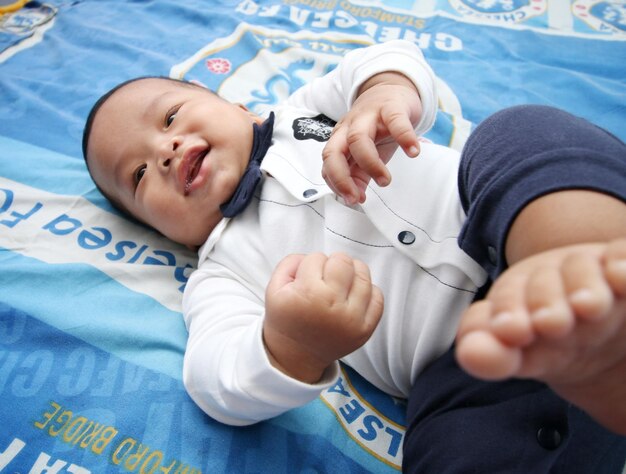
193	244
190	226
195	240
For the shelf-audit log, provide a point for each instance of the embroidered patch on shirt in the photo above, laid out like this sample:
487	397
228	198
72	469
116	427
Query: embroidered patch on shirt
317	128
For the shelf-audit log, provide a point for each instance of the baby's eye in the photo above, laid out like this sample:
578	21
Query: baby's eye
139	172
170	115
170	118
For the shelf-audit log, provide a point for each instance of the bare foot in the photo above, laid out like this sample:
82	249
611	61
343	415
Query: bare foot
558	317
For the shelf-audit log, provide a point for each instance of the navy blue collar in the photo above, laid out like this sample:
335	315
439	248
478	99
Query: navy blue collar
261	141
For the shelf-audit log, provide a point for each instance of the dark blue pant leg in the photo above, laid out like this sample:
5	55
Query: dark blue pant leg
522	153
458	424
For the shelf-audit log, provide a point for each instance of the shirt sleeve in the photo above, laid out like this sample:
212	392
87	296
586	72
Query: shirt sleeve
334	93
520	154
226	370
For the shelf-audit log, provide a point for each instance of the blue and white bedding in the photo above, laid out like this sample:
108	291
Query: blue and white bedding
91	335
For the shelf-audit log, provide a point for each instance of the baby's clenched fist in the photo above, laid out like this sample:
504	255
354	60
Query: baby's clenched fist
318	309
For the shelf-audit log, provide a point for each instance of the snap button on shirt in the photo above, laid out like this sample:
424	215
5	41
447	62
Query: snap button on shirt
405	237
492	254
549	438
309	193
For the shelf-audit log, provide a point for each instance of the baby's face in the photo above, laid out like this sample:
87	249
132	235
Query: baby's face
170	154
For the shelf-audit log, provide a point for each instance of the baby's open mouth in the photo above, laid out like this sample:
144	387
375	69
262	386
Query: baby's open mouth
193	168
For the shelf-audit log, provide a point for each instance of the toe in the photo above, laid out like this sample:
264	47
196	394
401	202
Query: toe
547	303
511	321
485	357
589	294
615	266
475	318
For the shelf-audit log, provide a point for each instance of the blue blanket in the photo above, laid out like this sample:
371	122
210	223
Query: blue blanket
91	335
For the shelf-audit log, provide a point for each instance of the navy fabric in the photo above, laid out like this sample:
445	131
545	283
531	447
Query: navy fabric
261	141
520	154
456	423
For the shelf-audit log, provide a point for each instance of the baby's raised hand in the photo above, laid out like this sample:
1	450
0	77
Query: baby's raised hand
381	118
318	309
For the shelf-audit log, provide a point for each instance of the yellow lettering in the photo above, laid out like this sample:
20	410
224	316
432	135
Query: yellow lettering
84	433
115	458
167	469
88	438
78	438
158	456
133	460
68	436
48	416
102	442
68	416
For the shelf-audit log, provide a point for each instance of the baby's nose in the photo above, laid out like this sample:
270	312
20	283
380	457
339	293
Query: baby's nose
169	151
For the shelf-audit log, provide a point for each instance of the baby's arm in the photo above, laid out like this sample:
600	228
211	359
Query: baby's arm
244	363
227	370
382	96
318	309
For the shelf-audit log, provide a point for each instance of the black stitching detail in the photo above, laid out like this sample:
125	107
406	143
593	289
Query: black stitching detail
361	243
409	222
444	283
326	227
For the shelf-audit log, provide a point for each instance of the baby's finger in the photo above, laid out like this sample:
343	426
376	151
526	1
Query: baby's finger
360	179
361	291
401	130
367	299
374	309
284	273
360	139
336	167
338	274
311	268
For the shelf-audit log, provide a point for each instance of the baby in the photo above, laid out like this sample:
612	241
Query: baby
296	251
